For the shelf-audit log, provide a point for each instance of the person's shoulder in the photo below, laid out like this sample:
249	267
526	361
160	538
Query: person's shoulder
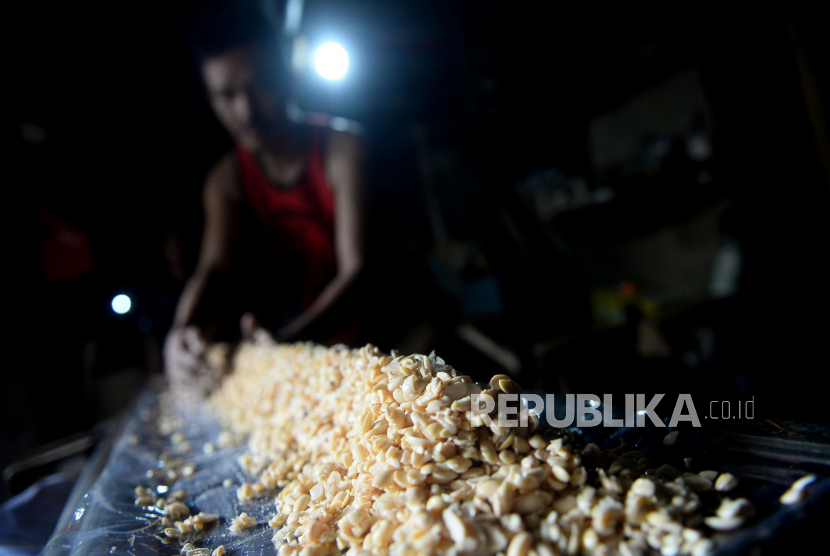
223	178
344	155
344	141
340	137
343	149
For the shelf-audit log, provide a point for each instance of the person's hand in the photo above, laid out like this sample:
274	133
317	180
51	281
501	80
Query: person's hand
187	370
253	332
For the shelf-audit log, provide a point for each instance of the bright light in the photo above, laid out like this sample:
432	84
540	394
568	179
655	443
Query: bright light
331	61
121	304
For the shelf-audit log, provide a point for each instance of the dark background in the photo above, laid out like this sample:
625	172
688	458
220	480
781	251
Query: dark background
570	173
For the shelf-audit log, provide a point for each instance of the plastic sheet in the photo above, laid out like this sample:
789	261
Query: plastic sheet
109	522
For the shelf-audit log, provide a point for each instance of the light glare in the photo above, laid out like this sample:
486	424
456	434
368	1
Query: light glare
331	61
121	304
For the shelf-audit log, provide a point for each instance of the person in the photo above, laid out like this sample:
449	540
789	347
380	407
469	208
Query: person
284	211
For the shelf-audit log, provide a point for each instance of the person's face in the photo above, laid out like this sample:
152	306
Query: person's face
244	96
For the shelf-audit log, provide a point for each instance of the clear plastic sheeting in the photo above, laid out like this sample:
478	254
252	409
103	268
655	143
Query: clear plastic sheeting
109	522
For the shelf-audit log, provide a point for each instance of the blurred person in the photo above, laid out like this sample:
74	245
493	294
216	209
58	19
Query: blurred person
284	211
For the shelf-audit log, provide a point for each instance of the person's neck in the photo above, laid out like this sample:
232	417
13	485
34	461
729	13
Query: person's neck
283	160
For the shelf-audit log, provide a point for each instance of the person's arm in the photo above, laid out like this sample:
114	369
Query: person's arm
184	345
219	240
345	172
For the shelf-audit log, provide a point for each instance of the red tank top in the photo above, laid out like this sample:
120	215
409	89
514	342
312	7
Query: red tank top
299	220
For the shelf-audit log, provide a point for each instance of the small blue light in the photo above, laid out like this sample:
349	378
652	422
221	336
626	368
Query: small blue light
121	304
